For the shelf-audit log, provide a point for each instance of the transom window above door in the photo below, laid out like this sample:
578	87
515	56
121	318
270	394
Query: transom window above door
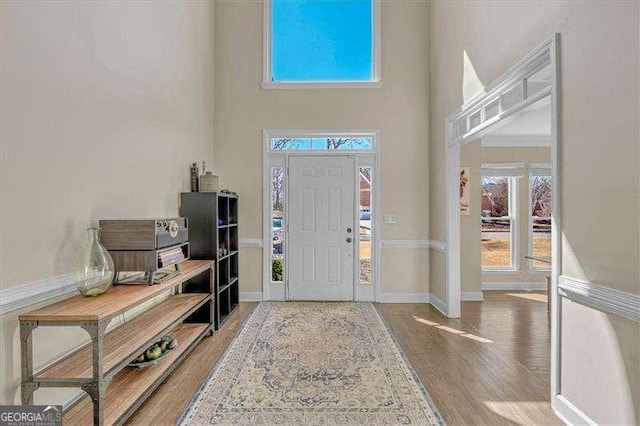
320	43
322	143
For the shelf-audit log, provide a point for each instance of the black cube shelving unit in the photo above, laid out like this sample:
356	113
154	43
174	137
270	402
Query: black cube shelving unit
213	234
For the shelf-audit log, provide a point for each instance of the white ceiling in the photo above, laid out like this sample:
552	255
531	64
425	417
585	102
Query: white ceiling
535	121
531	127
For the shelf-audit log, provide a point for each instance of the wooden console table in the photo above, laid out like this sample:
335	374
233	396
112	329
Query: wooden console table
100	367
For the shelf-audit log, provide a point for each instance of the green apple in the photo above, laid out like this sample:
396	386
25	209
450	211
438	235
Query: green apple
153	352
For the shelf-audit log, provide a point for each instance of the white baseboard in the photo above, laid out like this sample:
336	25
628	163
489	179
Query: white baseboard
415	298
514	286
251	296
569	413
438	304
404	298
471	296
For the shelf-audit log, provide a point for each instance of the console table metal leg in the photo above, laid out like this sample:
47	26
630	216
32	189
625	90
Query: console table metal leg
26	341
98	388
97	391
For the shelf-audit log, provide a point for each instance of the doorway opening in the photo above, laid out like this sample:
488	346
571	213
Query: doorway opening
533	80
320	218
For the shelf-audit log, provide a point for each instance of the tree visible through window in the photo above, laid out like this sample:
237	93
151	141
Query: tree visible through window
365	187
541	209
278	204
322	41
497	222
321	143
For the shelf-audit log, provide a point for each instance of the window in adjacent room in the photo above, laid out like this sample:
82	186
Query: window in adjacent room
499	228
540	187
319	42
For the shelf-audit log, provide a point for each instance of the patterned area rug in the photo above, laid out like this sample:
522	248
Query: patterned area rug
312	363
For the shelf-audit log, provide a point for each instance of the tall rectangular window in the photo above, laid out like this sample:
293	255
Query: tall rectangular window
278	203
321	41
540	187
498	222
365	187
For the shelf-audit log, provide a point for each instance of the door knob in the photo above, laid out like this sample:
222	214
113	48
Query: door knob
348	230
349	239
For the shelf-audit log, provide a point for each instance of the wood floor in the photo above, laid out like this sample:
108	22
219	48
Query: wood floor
489	367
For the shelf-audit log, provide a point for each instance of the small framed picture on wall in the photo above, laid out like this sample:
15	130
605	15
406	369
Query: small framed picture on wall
464	191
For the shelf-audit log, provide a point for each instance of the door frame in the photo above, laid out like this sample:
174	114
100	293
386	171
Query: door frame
459	131
273	158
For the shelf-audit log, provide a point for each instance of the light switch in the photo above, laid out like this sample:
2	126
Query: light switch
389	218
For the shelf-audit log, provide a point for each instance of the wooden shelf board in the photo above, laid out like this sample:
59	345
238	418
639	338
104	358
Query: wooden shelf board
129	385
127	340
115	301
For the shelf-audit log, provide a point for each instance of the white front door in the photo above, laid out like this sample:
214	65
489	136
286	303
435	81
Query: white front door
321	228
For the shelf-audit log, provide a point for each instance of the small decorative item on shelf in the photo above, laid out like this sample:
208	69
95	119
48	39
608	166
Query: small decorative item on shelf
155	352
223	250
94	267
226	191
208	181
194	177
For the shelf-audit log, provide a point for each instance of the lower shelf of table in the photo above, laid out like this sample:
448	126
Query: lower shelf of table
131	386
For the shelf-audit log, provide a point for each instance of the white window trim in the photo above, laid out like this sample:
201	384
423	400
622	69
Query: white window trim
267	82
532	269
513	217
272	290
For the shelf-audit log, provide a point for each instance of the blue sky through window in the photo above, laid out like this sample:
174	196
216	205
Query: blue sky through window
315	40
322	143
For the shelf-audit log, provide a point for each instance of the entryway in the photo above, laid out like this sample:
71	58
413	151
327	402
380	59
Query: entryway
320	218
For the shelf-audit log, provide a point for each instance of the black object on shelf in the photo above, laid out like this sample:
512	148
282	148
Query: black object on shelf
213	234
194	178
